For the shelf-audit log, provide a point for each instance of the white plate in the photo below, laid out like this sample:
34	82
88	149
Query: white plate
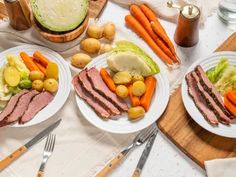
64	81
123	125
207	63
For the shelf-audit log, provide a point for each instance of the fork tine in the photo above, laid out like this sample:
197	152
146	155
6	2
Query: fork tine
147	133
47	141
53	142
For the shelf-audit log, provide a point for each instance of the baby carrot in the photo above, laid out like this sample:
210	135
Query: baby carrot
146	99
133	99
137	27
28	62
231	95
230	106
107	79
41	67
41	58
140	16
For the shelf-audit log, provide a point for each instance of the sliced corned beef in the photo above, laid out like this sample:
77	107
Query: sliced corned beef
88	87
21	106
101	111
210	88
99	85
199	101
10	106
210	101
37	104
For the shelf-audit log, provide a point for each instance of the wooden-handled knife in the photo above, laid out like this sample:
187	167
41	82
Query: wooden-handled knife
20	151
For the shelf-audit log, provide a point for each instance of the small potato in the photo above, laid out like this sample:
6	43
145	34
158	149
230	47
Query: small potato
105	48
36	75
122	91
80	60
138	88
37	85
122	77
95	31
109	31
90	45
136	112
50	85
137	77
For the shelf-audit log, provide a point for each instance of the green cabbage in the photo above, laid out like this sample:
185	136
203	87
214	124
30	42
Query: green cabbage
215	73
124	46
227	80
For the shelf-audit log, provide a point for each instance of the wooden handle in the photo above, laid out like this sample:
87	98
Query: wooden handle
11	158
136	173
40	174
110	166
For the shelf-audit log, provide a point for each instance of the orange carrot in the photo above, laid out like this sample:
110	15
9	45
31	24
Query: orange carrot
41	67
158	28
140	16
107	79
230	106
41	58
137	27
231	95
133	99
28	62
152	16
146	99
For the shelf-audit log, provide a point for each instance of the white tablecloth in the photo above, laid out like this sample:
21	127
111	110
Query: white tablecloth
165	159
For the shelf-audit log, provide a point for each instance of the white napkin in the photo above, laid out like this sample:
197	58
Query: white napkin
221	167
171	14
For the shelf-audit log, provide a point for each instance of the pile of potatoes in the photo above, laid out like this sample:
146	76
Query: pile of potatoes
92	45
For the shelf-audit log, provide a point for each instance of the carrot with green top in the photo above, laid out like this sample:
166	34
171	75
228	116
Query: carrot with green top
140	16
146	99
107	79
135	101
230	106
138	28
41	58
29	62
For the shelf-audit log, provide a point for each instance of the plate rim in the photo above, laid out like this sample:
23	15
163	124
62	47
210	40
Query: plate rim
66	92
184	91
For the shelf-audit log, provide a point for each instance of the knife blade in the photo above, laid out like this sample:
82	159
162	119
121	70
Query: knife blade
144	155
20	151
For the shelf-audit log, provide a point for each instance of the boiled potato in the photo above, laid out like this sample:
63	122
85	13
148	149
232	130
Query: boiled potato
50	85
90	45
80	60
52	70
105	48
109	31
11	76
122	77
138	88
122	91
37	85
36	75
137	77
136	112
95	31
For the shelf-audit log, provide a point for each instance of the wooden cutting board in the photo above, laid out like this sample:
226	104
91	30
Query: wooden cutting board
95	8
197	143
